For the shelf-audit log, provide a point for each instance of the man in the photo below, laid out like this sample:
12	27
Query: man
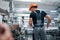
5	33
37	18
16	30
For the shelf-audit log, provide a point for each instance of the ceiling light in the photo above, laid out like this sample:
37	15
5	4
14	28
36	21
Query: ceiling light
22	9
27	15
53	11
29	0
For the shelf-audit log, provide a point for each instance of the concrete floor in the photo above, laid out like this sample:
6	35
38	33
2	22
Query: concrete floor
49	37
29	37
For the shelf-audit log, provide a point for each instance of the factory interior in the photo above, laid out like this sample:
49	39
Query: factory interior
16	14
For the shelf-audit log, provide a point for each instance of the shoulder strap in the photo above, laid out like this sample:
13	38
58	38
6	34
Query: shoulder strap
38	15
36	12
40	11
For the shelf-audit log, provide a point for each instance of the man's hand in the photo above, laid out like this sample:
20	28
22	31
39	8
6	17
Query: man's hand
47	25
30	25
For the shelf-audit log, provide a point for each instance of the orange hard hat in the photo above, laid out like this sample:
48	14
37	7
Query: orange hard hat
32	5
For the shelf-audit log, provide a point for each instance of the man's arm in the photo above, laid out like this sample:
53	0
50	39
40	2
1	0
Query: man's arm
49	20
30	22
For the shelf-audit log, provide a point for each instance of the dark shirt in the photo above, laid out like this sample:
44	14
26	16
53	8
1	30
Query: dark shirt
33	16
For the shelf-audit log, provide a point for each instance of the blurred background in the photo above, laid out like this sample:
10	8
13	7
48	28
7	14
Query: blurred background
16	14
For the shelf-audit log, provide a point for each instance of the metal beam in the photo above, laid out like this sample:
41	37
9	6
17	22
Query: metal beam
4	11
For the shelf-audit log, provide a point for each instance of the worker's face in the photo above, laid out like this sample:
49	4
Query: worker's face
5	33
33	9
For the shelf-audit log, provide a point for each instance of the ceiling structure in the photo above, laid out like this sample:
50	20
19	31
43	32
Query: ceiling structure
46	2
42	4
